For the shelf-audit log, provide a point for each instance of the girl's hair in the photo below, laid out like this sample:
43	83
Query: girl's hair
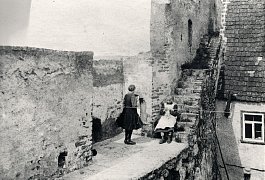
131	87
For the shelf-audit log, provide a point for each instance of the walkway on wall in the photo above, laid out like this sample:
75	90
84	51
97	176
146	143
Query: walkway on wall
118	161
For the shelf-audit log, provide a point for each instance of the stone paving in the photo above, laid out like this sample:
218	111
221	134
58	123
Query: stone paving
118	161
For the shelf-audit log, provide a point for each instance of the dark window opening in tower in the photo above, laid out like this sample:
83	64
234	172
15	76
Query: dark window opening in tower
190	33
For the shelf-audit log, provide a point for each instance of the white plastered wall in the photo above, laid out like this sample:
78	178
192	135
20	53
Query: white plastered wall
251	155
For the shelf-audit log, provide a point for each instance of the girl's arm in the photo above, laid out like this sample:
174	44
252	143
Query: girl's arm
162	109
174	111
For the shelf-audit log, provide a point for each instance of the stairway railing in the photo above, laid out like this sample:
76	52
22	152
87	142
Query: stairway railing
218	68
213	75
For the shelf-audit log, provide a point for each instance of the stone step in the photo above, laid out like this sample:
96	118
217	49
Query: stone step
200	77
181	137
192	83
190	109
194	73
188	91
189	116
179	99
183	91
198	82
183	108
193	80
197	91
214	48
186	125
187	102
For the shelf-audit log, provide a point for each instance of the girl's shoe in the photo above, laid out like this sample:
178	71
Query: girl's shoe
162	141
129	142
169	139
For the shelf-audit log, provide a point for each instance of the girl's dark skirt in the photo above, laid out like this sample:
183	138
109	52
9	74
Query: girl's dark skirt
129	119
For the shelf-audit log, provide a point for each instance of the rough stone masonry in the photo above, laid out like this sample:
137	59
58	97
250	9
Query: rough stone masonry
55	104
45	111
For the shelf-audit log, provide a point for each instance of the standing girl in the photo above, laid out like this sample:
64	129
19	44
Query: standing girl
129	118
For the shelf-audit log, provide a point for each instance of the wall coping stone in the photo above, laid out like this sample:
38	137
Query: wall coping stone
46	51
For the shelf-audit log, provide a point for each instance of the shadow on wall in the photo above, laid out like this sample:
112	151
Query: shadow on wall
228	145
105	130
14	19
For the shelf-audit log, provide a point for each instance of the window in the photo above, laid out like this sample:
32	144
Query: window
190	33
253	127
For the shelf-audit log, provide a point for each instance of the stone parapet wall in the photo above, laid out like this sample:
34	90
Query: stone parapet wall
108	80
45	121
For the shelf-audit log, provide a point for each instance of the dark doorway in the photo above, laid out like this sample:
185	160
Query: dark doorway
96	129
246	176
61	159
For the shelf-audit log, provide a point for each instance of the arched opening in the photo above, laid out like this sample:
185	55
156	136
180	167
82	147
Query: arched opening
189	33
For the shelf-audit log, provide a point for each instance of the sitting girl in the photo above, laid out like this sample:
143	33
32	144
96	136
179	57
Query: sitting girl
167	122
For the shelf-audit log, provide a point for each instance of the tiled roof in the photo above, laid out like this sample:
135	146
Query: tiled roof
245	50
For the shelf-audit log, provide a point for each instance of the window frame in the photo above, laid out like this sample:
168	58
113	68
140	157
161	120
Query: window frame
252	140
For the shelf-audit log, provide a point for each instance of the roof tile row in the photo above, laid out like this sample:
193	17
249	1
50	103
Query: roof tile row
245	51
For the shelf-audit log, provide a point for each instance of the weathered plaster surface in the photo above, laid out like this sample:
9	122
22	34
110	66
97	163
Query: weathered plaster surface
45	110
235	152
251	155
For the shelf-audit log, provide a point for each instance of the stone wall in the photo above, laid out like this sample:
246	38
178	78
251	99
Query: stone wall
45	121
176	31
138	71
108	81
111	77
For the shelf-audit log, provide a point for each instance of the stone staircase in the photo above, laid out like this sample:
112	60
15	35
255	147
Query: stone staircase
148	159
188	90
187	96
214	50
